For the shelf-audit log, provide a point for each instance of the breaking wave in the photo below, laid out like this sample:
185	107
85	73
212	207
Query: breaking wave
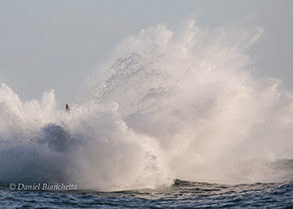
168	104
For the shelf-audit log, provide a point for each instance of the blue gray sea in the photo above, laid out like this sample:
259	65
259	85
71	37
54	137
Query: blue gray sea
182	194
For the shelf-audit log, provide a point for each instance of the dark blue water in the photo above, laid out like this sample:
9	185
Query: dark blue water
182	194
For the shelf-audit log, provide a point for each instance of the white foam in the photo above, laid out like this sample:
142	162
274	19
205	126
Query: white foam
168	104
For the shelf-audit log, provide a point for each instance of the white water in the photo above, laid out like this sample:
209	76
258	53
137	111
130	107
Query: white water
178	103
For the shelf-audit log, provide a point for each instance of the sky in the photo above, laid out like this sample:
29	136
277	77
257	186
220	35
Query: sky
53	44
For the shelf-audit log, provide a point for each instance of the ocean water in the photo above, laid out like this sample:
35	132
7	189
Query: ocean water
182	194
174	118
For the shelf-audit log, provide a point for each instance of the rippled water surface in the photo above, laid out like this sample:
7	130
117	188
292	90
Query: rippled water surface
182	194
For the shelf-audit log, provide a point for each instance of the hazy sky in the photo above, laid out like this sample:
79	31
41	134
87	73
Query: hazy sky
52	44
